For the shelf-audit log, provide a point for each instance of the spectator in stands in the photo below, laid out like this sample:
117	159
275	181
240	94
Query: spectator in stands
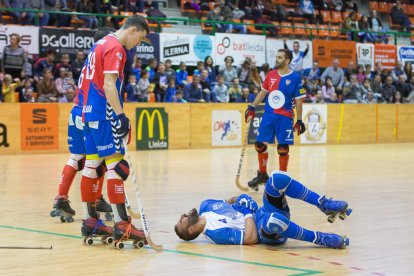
151	68
351	26
410	98
364	35
25	90
179	96
200	68
161	83
403	86
265	7
399	17
15	4
297	62
243	73
46	88
254	76
59	82
43	63
62	20
235	90
27	71
77	64
378	70
388	90
9	88
375	25
376	85
350	70
366	86
328	90
168	70
336	74
181	75
64	63
13	57
212	72
408	70
247	6
319	98
312	73
397	98
228	16
208	95
368	73
229	72
191	5
143	85
264	71
36	5
86	6
106	7
132	89
221	90
353	93
171	91
254	90
369	98
322	5
69	96
215	15
411	83
192	91
361	76
307	10
398	71
244	96
134	6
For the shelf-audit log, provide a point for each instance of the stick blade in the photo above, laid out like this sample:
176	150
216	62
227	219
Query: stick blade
154	246
241	187
133	214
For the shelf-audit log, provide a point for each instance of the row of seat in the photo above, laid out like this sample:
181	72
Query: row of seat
385	7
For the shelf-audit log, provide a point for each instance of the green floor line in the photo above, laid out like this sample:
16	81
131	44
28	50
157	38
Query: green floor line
303	271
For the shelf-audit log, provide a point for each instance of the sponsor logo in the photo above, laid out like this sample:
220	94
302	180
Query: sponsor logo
25	40
87	109
315	125
276	99
102	148
152	128
39	116
176	50
69	40
3	136
302	91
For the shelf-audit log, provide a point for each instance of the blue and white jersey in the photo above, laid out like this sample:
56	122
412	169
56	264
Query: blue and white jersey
297	61
224	224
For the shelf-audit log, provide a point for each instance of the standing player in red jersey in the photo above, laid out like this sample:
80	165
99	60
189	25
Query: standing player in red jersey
279	89
105	127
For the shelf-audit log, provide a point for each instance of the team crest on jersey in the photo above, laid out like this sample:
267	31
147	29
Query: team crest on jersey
302	91
287	82
119	55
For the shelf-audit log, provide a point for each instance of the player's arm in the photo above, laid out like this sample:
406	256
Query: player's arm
250	231
250	111
112	93
300	94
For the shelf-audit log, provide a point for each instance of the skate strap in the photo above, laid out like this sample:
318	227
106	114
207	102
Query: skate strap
127	232
98	224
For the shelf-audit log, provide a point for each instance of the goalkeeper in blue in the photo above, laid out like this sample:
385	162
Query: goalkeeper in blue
238	220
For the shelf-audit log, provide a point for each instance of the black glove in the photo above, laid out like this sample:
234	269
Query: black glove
123	126
249	113
299	127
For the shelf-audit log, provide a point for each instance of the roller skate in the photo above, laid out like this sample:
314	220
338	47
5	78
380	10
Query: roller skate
104	207
334	208
331	240
124	231
261	178
61	207
94	227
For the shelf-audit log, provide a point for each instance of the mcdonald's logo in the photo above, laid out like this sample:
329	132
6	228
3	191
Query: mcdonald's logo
152	128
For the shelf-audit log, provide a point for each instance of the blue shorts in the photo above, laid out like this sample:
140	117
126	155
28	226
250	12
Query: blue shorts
75	131
276	125
101	138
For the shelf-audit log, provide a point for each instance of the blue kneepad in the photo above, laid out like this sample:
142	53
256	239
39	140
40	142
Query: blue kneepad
277	183
276	223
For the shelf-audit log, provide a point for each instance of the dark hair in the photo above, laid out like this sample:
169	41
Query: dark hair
185	235
232	59
217	6
143	72
136	21
17	37
288	54
102	32
50	51
200	62
205	61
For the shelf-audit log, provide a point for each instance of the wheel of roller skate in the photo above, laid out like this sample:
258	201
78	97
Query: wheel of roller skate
119	245
342	216
87	241
331	219
107	240
139	244
63	219
52	213
70	219
108	216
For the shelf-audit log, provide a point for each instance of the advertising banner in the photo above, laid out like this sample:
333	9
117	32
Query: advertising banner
185	48
29	37
273	45
65	41
240	46
149	48
39	126
386	54
254	125
152	128
325	51
405	54
316	122
226	128
365	54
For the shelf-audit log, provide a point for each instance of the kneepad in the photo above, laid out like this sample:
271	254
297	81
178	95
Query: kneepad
283	150
276	223
101	169
280	181
122	169
260	147
77	161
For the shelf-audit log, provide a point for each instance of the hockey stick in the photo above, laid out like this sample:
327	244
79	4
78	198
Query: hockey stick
128	205
140	207
25	247
243	150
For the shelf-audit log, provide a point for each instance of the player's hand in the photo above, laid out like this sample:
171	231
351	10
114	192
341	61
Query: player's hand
247	201
249	113
299	127
123	126
242	209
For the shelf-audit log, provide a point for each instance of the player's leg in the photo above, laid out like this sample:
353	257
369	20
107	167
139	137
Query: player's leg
266	135
102	206
284	135
275	228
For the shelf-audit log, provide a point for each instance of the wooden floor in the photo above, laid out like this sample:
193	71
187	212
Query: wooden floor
376	180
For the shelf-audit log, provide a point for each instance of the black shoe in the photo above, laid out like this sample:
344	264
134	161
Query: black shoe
103	206
261	178
63	204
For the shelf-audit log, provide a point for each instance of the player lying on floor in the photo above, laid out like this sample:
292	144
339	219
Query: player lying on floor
238	220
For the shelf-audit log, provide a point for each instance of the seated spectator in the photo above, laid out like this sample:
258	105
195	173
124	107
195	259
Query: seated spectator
106	7
312	73
264	71
328	90
397	98
366	86
15	4
43	63
143	85
228	72
180	98
353	93
411	84
351	26
337	75
221	90
35	5
208	94
200	67
151	68
228	16
398	71
9	88
25	90
64	63
319	98
254	90
369	98
132	89
376	85
408	70
350	70
168	70
243	73
181	75
46	88
307	10
134	6
338	5
245	95
64	82
361	76
349	4
193	92
77	64
138	68
191	5
60	20
254	76
86	6
171	91
247	6
215	15
212	72
161	83
388	90
69	96
13	57
399	17
368	72
27	71
235	91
